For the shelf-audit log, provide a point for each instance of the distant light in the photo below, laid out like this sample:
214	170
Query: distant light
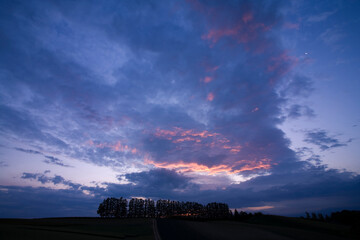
306	53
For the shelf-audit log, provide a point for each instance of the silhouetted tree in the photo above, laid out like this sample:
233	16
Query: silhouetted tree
101	209
121	208
131	212
231	215
149	208
217	210
109	208
138	208
321	217
346	217
236	214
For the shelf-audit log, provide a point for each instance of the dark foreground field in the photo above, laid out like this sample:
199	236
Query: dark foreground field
262	227
76	228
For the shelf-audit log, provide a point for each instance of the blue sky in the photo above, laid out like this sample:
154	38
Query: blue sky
252	103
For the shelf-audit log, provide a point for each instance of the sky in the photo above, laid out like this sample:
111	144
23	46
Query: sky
251	103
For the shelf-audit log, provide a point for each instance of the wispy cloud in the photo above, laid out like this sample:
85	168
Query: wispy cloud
321	16
3	164
295	111
332	37
55	161
48	159
43	178
322	139
28	151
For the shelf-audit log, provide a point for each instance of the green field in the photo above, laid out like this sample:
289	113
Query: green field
76	228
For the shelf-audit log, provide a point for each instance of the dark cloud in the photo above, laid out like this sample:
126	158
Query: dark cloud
291	198
28	151
322	139
297	86
295	111
159	179
308	154
48	159
43	178
55	161
30	175
23	125
301	187
334	189
3	164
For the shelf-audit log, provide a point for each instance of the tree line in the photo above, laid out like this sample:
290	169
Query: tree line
346	217
148	208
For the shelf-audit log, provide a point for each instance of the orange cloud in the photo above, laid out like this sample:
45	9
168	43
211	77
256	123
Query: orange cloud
253	165
186	139
258	208
233	149
221	168
190	167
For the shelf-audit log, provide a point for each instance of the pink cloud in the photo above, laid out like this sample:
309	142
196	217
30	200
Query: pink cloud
280	65
207	79
179	132
247	17
244	31
189	143
212	69
116	147
289	25
210	97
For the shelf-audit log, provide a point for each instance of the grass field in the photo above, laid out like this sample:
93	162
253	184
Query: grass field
76	228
